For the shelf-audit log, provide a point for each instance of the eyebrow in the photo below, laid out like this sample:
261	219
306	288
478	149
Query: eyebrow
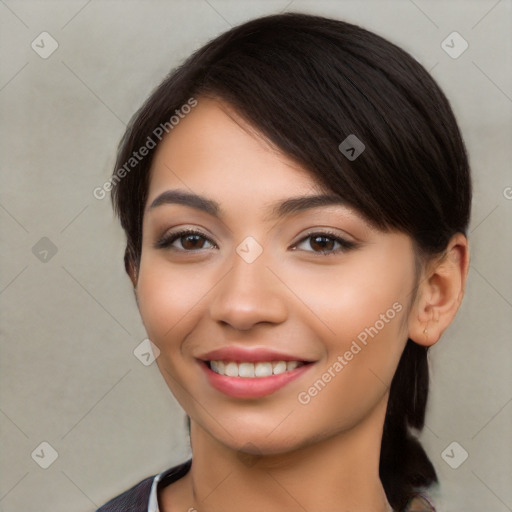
278	210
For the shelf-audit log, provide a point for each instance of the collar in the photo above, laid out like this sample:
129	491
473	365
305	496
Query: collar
153	495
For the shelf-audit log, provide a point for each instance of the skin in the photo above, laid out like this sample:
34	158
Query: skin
275	453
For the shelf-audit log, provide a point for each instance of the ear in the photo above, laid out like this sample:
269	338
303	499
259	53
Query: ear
440	293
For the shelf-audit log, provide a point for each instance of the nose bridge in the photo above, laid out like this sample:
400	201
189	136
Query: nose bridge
249	293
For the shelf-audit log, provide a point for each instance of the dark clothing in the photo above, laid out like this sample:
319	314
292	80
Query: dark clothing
136	499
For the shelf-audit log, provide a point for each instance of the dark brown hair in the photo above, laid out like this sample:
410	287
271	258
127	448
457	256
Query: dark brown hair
306	83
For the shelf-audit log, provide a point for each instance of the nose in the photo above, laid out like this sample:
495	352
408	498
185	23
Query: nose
248	295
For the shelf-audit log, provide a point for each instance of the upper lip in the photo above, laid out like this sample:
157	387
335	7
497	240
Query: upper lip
253	355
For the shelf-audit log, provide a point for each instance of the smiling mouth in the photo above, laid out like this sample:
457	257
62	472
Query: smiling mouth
253	370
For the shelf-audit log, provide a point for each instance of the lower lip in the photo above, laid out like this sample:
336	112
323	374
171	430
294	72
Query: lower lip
252	387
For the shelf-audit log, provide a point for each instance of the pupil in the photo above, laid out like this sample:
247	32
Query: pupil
192	242
322	243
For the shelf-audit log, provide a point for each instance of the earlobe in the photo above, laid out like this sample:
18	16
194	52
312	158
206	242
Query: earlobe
440	293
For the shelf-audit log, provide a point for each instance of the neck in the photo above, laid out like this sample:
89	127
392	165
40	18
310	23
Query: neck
340	472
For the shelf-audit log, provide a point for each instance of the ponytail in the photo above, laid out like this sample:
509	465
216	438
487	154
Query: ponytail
404	466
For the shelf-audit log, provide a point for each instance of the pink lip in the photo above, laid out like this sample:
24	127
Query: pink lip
256	387
244	354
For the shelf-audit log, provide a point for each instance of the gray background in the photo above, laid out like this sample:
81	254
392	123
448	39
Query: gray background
69	321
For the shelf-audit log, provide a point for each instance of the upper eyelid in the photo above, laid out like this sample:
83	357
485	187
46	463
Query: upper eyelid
186	229
331	232
176	235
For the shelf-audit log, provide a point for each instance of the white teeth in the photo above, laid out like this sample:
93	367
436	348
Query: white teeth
263	369
217	366
245	370
251	370
231	370
278	367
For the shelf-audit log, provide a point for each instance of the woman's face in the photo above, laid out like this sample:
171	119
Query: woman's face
269	274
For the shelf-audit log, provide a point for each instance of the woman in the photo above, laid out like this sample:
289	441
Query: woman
295	199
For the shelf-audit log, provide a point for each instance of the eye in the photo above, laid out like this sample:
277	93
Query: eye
324	243
186	240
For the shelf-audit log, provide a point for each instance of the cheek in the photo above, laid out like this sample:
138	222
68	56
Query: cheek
348	300
170	300
359	365
358	311
171	303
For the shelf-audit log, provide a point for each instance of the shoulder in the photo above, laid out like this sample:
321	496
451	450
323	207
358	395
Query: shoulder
133	500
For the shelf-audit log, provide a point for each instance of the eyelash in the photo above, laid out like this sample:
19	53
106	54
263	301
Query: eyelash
345	245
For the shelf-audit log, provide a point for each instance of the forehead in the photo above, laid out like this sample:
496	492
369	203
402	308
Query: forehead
213	151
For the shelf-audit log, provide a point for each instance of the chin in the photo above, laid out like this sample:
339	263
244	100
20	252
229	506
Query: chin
248	440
